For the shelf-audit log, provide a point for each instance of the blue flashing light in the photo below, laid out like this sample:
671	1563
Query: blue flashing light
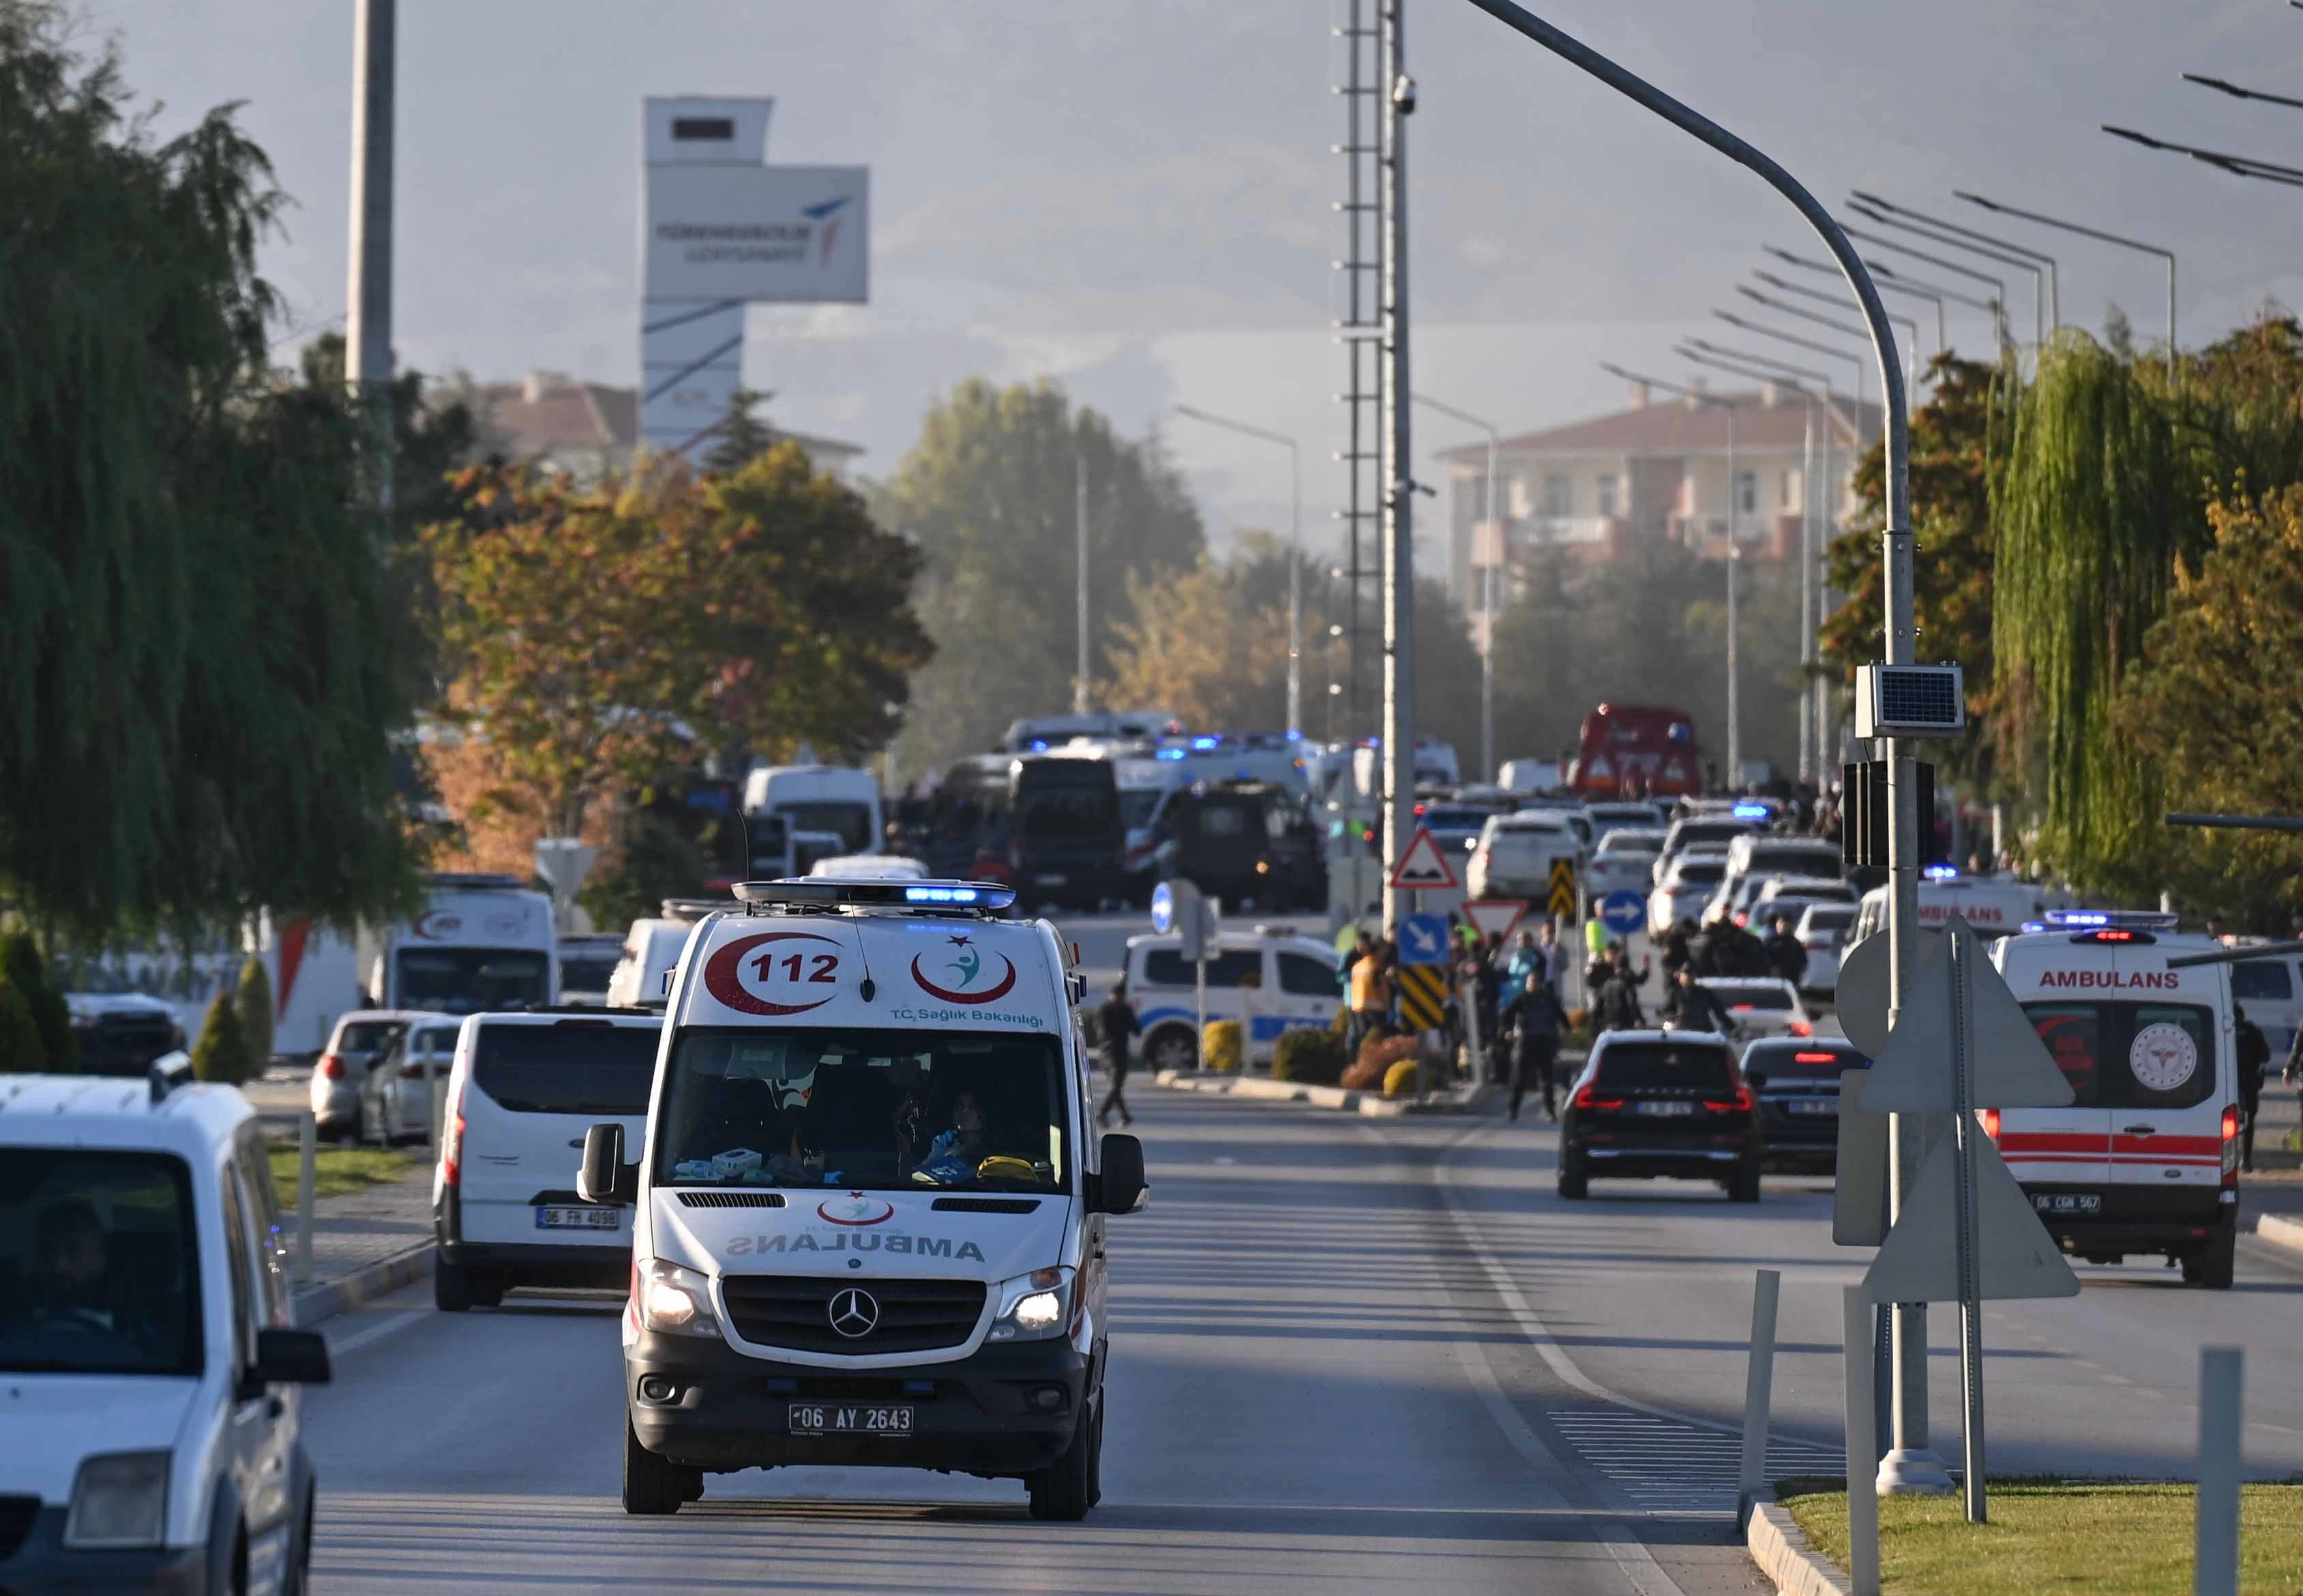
1169	754
1752	812
2033	927
2078	917
1204	743
1039	745
1294	735
941	894
1941	873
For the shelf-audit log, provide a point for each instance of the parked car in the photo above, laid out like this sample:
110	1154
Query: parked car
1796	1079
1272	981
1653	1104
395	1099
1820	931
354	1046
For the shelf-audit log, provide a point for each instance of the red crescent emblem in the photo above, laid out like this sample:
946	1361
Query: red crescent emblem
1006	983
722	979
877	1219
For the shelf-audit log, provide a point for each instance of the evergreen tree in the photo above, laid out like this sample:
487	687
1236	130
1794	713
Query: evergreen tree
220	1053
22	968
252	997
21	1052
743	437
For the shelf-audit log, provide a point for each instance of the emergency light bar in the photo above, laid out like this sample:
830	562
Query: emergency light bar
1753	811
2080	919
1941	873
821	891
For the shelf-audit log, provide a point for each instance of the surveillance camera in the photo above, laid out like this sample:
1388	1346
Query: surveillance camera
1403	94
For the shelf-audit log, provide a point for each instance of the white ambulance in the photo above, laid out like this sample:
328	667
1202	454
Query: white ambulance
2145	1160
870	1204
483	942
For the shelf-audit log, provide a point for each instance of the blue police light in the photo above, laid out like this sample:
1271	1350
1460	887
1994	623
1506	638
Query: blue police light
1941	873
2033	927
941	894
2078	917
1204	743
1039	745
1751	811
1169	754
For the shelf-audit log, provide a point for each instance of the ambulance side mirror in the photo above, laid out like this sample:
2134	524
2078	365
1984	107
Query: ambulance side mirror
604	1176
1122	1188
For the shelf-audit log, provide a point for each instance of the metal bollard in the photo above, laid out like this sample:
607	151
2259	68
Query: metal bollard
1758	1383
2215	1567
1862	1444
307	1155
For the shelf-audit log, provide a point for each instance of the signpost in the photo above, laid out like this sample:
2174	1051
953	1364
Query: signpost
1561	902
1423	867
1623	912
1178	906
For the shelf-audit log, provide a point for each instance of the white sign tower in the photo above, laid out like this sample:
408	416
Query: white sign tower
721	229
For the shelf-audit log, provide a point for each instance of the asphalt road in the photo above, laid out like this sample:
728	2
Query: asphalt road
1314	1386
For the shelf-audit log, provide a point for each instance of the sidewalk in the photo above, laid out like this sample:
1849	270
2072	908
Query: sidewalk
363	1244
1459	1099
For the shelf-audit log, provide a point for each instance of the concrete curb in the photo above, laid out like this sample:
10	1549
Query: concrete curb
1781	1550
325	1300
1372	1104
2280	1231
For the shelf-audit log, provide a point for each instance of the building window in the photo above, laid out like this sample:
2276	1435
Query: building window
1557	497
1794	489
1747	492
1611	497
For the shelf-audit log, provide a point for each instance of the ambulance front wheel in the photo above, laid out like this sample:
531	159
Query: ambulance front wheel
655	1486
2213	1267
1068	1487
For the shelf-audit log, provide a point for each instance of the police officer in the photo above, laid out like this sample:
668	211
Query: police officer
1786	954
1540	1020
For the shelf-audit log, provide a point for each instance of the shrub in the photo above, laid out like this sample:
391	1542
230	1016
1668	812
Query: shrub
252	997
1377	1055
22	968
1342	1024
221	1053
1219	1048
21	1052
1312	1057
1399	1080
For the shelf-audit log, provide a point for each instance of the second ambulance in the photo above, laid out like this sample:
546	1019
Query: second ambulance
870	1205
2146	1159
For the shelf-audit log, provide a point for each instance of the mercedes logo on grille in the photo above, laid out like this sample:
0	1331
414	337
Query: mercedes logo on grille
854	1312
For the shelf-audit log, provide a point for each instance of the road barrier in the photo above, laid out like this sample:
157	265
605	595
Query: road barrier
307	1178
1758	1384
2216	1564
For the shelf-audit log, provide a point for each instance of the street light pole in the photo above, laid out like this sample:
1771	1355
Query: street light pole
1079	617
1757	298
2054	284
1398	466
368	318
2038	272
1294	552
2097	234
1781	286
1486	590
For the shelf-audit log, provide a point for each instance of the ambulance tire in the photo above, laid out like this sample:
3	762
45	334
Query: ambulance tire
653	1486
1065	1490
2212	1268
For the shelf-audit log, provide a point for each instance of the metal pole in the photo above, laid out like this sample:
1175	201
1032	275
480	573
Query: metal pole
1862	1444
1734	559
2097	234
308	1154
1399	491
1079	617
1810	770
1758	1381
2215	1563
1971	1286
368	308
1487	607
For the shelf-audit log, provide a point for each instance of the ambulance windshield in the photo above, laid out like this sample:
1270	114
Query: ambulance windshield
910	1110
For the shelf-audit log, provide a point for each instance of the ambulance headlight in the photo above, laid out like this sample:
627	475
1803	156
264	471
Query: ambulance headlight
1032	1305
676	1301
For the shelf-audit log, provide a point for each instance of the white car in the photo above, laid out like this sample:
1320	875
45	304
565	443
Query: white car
1763	1006
1607	819
340	1074
395	1102
1513	857
1685	886
1272	982
152	1436
525	1091
1821	928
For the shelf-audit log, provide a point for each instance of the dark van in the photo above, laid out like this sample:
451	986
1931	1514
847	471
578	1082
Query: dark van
1051	821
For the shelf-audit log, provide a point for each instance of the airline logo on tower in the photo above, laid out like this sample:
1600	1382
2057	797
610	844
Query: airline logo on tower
771	234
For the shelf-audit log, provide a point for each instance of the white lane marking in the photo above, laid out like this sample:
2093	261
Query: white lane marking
373	1332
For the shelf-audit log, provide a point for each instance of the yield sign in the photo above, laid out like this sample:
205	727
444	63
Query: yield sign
2014	1254
1494	918
1424	865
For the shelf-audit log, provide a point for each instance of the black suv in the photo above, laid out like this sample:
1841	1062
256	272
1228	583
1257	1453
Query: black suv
1661	1103
1796	1081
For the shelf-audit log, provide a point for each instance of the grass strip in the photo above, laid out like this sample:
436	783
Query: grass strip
338	1170
2068	1537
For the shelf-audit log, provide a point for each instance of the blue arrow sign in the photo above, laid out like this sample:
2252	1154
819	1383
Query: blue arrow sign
1423	939
1623	912
1163	909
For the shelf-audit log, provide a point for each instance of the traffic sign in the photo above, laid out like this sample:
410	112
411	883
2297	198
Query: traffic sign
2014	1255
1424	866
1622	911
1423	997
2011	1067
1423	939
1495	917
1163	908
1861	995
1562	900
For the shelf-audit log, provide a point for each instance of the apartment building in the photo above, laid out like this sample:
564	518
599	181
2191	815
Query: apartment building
589	429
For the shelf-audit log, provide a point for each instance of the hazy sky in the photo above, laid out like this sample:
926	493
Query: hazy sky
1135	200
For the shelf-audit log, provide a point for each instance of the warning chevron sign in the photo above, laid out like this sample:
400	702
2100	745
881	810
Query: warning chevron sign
1424	866
1423	997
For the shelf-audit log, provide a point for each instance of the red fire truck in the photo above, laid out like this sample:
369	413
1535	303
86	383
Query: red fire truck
1636	748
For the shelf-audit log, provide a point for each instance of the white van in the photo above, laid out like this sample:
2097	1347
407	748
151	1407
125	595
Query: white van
524	1091
1271	981
652	949
315	977
482	942
1514	854
151	1437
840	799
869	1208
1995	906
2146	1159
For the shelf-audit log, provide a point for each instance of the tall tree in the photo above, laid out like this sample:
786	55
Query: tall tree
743	437
991	493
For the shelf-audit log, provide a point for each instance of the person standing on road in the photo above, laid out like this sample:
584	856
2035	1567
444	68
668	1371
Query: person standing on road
1692	1005
2254	1064
1522	958
1540	1020
1787	953
1597	938
1370	1002
1555	956
1116	1021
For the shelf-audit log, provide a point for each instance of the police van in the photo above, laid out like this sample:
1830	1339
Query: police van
2146	1159
869	1206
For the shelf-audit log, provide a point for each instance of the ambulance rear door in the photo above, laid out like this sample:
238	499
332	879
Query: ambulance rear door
2166	1074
